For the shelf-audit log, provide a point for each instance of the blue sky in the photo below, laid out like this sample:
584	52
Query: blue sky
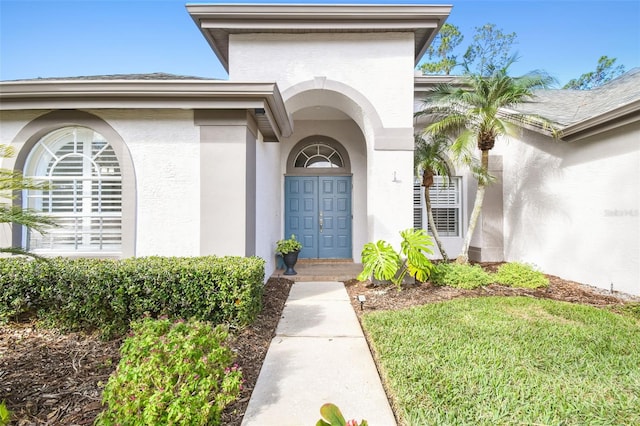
53	38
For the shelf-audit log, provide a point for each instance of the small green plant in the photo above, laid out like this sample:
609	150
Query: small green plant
332	416
460	275
379	260
5	414
382	262
631	310
520	275
171	373
11	182
288	246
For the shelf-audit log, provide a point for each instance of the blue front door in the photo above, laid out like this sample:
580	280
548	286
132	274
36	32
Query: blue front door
318	213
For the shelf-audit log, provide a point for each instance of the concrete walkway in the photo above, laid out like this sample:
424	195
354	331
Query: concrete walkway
319	355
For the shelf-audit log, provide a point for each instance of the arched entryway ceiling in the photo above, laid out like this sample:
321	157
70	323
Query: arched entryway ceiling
336	98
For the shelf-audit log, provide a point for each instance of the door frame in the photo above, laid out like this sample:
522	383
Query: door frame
343	170
316	209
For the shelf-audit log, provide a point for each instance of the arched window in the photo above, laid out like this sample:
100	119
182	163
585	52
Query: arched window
84	193
319	156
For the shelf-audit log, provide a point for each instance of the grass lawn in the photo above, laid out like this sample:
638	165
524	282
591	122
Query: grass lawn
509	360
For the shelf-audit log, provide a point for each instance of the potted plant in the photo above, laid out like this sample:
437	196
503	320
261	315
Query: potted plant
289	250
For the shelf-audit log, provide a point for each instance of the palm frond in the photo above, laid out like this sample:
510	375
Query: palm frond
431	154
532	121
20	252
11	181
7	151
26	217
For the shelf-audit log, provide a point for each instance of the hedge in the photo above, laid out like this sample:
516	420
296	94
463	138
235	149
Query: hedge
87	294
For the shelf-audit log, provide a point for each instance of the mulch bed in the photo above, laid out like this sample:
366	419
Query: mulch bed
387	297
252	343
49	378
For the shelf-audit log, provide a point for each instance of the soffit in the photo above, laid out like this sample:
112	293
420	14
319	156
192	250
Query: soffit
262	100
217	22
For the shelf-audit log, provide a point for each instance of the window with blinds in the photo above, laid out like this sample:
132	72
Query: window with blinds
445	205
84	193
418	206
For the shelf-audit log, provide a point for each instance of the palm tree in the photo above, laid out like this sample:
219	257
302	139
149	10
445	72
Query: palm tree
430	158
10	182
477	112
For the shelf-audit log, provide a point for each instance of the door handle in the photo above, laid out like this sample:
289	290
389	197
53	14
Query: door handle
321	222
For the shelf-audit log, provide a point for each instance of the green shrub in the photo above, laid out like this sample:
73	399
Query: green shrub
629	309
108	294
171	373
460	276
20	286
520	275
5	415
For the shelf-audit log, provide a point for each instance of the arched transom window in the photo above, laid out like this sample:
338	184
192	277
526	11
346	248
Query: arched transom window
84	193
319	156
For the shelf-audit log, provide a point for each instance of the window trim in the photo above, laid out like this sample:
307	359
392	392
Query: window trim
36	129
89	219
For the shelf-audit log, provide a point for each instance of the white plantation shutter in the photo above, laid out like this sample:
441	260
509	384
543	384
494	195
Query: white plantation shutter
85	195
445	205
418	205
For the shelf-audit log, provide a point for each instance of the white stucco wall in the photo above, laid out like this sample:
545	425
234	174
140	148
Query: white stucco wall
390	177
359	62
269	202
223	190
572	209
165	149
11	122
164	146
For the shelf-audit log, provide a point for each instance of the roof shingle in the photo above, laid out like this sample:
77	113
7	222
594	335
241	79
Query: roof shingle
568	106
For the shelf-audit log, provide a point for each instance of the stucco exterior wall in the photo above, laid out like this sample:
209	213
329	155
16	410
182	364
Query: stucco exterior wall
487	243
11	122
165	150
358	62
269	202
361	61
390	198
572	209
164	147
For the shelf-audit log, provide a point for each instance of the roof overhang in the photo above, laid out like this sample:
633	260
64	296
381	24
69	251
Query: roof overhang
617	117
620	116
218	21
262	100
